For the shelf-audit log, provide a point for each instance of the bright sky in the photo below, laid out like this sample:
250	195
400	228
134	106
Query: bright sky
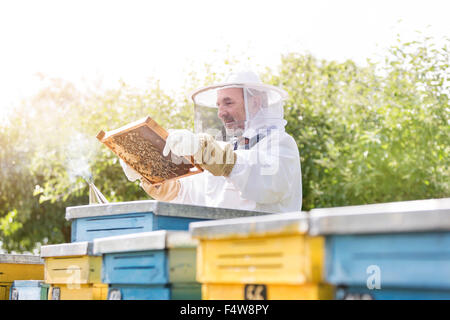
134	40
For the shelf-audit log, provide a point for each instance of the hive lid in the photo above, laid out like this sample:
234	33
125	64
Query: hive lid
280	223
20	259
158	208
67	249
153	240
403	216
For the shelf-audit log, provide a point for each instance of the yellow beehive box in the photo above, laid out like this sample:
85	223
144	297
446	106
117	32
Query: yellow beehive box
71	263
221	291
271	249
20	267
4	290
78	292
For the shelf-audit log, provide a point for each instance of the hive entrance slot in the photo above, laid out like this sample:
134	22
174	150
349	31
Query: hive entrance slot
251	266
134	257
115	218
402	255
134	267
250	255
113	229
67	269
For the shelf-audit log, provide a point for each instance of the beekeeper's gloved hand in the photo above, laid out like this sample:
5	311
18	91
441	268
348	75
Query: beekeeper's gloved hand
131	174
165	191
217	158
182	143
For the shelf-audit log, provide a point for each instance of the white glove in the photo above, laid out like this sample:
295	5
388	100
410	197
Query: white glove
131	174
219	159
182	143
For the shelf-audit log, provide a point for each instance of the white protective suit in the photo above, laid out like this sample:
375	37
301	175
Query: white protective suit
266	177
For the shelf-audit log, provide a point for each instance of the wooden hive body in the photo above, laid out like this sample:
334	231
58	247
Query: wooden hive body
398	250
18	267
96	291
151	265
104	220
264	257
71	263
29	290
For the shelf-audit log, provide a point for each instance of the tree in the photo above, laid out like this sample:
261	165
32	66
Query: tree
51	151
370	134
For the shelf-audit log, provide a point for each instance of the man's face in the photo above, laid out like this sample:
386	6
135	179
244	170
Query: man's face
231	107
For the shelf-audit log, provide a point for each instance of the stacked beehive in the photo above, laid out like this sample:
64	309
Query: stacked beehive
268	257
77	272
157	265
73	272
398	250
142	250
15	267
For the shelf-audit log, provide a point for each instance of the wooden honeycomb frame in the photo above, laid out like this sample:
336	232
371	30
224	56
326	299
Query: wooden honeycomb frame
140	145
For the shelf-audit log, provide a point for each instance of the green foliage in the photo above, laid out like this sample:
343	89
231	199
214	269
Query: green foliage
369	134
50	150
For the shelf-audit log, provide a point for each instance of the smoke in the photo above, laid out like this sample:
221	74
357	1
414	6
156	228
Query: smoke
80	153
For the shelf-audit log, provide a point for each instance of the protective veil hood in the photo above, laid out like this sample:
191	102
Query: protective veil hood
266	111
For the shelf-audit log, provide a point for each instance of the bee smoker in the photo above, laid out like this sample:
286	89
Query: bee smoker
95	196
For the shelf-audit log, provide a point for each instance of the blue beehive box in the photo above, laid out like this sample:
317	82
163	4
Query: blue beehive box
156	265
111	219
29	290
398	250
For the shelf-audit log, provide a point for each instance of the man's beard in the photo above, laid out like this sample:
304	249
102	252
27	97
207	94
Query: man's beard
235	130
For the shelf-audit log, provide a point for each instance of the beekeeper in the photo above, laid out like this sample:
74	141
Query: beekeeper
249	161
